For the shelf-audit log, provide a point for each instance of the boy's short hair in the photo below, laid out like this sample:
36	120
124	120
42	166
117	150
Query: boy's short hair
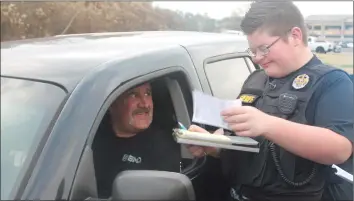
276	17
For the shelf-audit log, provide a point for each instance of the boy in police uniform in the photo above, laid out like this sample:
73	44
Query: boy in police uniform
299	109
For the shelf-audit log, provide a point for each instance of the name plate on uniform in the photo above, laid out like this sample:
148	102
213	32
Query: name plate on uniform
248	98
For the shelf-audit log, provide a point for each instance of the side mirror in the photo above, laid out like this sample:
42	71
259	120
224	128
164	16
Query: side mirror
152	185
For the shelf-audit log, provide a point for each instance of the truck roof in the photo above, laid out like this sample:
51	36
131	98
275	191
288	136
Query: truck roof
66	59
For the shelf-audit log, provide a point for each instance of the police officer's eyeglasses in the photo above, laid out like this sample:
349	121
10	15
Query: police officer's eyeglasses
262	50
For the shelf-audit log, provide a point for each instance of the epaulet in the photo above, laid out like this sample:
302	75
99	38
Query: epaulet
253	86
259	74
323	69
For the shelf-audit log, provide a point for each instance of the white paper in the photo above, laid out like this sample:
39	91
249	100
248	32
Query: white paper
207	109
239	143
217	145
214	138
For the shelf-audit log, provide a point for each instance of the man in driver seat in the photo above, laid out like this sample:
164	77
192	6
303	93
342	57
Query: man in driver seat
131	142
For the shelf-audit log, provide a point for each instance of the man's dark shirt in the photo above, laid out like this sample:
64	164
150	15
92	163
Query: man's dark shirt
152	149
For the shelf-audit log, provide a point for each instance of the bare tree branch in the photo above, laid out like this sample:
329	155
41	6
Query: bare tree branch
70	22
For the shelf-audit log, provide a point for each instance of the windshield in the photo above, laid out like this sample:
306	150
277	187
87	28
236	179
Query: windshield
27	108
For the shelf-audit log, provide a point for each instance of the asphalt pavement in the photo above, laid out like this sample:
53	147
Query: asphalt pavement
347	50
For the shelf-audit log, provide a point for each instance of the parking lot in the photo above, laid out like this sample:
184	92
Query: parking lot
343	60
347	50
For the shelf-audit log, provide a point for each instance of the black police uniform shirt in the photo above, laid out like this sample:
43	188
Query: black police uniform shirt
332	106
151	149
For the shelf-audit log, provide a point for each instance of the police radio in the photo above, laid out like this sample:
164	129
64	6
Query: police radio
287	105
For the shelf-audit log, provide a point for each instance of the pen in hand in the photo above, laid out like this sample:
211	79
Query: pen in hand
181	126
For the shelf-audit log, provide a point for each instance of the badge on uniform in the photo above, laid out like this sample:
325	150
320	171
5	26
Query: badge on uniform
301	81
248	98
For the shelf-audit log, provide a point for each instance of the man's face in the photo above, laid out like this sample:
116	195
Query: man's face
134	109
278	61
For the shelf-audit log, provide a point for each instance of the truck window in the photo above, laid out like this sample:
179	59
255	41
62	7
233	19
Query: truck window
226	77
26	112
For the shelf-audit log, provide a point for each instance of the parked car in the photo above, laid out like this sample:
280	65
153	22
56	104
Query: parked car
337	48
319	46
55	92
346	44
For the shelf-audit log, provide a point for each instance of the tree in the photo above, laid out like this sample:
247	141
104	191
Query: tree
20	20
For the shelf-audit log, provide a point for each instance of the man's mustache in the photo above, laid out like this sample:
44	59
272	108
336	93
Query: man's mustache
142	110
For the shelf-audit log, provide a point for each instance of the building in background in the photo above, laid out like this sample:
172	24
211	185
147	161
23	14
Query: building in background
331	27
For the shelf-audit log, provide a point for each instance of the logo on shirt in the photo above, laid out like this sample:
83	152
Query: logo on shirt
301	81
131	159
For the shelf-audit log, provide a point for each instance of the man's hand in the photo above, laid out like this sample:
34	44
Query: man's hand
247	121
199	151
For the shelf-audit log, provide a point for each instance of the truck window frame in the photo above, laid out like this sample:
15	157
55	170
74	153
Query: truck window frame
79	182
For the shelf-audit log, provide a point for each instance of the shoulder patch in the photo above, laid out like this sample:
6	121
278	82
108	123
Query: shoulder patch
248	98
301	81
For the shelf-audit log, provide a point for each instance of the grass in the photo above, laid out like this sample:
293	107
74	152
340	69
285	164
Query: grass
340	60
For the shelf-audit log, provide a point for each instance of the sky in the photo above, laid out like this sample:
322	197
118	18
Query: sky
221	9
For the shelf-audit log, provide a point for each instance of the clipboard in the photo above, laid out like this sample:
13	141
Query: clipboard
238	143
343	174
